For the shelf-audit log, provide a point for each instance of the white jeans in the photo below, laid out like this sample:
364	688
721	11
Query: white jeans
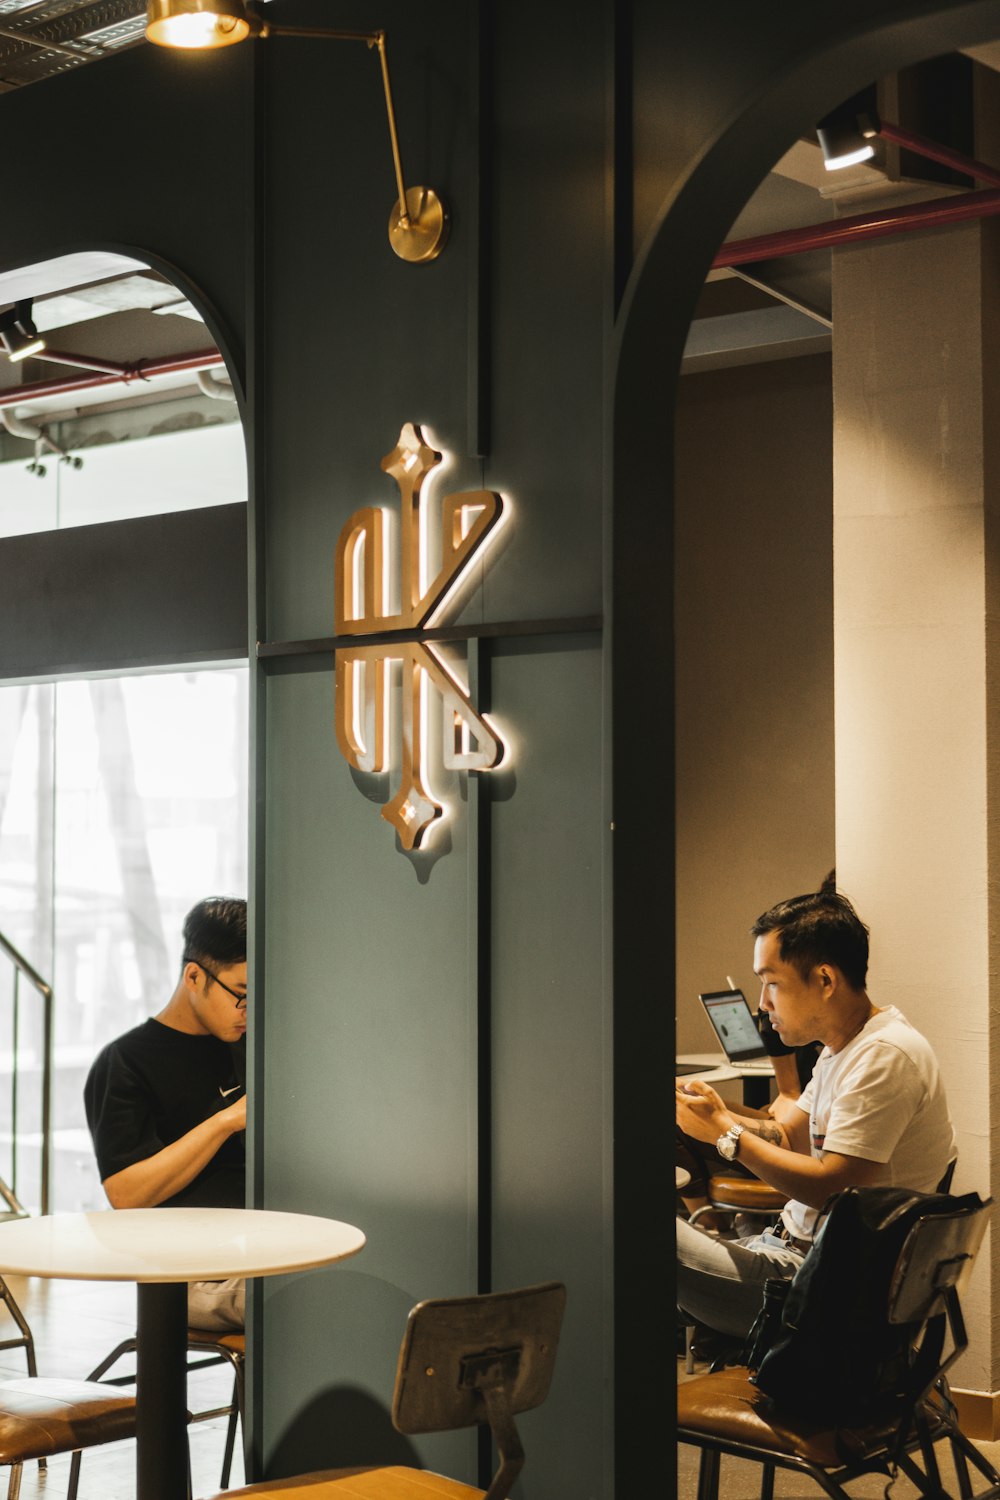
217	1305
721	1282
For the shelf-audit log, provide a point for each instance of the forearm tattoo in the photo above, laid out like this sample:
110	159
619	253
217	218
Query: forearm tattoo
768	1131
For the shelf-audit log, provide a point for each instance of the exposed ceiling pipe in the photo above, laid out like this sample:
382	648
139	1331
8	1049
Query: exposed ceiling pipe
943	155
935	214
19	428
14	395
218	390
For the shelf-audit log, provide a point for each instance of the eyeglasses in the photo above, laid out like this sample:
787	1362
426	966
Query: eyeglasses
241	1000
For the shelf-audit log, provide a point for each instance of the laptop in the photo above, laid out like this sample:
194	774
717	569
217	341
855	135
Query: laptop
735	1028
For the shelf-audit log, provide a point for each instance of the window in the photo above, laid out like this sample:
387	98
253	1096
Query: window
140	476
123	801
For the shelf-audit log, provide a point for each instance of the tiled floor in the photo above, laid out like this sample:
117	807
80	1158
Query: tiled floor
740	1480
75	1324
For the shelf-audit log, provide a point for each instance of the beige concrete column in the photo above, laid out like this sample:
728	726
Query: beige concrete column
916	379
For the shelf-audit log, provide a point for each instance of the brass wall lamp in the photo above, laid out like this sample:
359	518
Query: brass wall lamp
418	224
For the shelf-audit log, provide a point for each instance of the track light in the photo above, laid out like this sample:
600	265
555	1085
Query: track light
418	224
18	333
846	135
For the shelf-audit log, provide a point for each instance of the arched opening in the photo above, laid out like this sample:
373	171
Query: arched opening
785	100
123	684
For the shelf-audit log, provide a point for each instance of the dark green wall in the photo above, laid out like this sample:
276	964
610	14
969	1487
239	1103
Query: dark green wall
431	1010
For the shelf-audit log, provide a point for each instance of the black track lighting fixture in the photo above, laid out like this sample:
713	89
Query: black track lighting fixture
847	134
18	333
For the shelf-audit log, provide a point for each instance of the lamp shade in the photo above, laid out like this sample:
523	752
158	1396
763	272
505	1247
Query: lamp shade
196	23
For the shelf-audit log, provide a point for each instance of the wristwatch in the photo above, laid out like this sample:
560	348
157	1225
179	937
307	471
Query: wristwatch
727	1145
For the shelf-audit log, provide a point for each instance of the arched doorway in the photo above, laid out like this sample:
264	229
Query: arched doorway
752	110
123	743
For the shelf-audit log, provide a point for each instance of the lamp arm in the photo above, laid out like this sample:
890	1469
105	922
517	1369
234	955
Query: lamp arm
376	39
404	217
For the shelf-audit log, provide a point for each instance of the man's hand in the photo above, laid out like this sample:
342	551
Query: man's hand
234	1115
701	1113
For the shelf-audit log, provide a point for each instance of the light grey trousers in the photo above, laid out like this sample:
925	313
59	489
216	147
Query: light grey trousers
721	1282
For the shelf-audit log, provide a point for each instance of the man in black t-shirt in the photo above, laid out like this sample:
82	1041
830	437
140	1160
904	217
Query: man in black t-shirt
166	1102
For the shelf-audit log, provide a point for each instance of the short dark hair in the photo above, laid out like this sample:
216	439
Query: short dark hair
821	928
215	932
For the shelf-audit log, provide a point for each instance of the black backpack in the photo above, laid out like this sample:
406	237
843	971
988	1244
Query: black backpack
834	1357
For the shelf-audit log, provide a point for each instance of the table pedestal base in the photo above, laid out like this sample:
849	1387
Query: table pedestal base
161	1391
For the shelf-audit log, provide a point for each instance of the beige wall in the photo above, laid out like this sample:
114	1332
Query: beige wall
754	619
917	686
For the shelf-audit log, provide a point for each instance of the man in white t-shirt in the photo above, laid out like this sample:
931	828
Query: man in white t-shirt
873	1114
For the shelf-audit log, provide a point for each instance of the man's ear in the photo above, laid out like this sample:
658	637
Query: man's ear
191	975
829	979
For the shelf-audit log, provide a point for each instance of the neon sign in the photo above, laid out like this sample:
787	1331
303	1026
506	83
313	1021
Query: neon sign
363	584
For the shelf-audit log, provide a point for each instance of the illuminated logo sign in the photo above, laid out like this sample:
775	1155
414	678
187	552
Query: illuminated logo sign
365	588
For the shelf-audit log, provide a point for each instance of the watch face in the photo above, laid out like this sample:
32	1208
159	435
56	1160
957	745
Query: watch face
726	1147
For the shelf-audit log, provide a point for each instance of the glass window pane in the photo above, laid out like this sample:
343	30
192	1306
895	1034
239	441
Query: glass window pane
140	476
122	802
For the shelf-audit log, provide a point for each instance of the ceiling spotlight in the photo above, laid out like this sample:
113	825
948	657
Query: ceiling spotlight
418	223
18	333
847	136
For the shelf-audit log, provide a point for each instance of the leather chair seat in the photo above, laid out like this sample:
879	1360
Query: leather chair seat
235	1342
725	1405
745	1193
40	1417
360	1484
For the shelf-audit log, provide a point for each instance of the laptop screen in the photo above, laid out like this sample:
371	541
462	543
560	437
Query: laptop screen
734	1024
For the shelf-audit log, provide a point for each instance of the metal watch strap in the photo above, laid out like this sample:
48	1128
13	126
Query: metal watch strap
732	1139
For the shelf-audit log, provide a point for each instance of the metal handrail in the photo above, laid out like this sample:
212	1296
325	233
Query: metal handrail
22	966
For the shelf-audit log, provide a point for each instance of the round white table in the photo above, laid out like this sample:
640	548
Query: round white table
162	1249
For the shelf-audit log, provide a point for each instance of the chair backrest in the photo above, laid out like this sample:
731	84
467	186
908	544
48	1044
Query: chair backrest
466	1360
936	1258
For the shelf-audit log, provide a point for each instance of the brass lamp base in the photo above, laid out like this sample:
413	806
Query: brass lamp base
425	235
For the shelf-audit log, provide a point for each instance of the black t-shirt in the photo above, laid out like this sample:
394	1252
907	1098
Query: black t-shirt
152	1086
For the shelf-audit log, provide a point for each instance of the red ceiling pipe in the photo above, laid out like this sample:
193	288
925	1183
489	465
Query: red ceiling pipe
921	146
14	395
935	214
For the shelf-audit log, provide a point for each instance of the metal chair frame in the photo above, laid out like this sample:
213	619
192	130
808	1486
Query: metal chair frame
923	1288
215	1352
25	1340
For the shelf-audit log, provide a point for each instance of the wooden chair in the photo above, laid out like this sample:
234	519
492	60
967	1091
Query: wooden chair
463	1361
725	1413
207	1348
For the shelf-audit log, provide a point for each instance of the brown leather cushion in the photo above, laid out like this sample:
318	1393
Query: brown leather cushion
360	1484
726	1405
39	1417
235	1342
744	1192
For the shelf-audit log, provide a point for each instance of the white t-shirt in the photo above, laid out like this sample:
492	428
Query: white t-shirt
880	1098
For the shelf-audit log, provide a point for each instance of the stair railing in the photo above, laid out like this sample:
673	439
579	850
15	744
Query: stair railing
8	1193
